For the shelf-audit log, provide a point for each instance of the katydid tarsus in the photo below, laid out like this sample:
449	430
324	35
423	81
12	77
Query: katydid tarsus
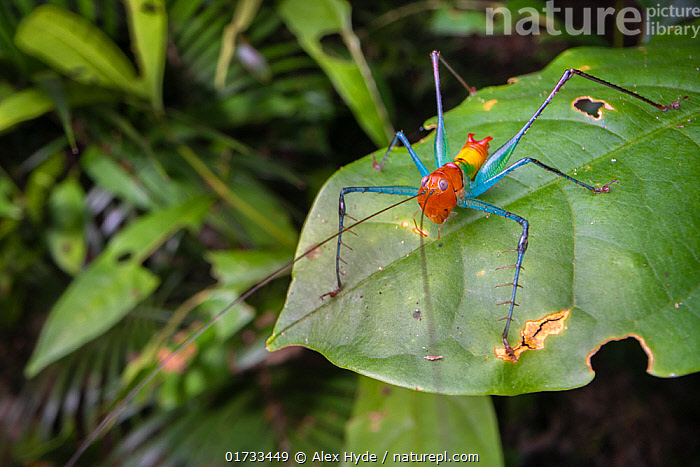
456	182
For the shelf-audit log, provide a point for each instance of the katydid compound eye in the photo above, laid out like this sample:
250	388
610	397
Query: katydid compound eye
442	184
424	180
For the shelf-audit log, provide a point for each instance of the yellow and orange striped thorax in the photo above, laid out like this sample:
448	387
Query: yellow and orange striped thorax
473	155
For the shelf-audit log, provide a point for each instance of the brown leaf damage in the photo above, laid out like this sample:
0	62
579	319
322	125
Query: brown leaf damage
534	334
489	104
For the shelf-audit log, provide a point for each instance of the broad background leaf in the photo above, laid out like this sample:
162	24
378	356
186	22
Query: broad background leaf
30	103
112	285
625	263
397	420
66	238
56	36
310	22
149	34
23	105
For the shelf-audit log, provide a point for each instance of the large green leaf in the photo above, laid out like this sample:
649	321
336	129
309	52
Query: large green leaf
624	263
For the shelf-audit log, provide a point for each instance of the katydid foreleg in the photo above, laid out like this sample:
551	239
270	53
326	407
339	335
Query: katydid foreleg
387	190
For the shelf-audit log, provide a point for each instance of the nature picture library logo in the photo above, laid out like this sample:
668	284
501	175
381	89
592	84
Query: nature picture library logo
630	21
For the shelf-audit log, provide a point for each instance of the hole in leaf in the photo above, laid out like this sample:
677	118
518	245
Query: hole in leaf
642	343
591	107
149	7
124	257
333	46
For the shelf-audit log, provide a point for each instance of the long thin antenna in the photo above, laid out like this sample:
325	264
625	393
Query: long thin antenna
470	89
117	410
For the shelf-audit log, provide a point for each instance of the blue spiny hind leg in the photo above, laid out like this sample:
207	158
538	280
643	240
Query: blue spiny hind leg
492	170
522	246
493	180
385	190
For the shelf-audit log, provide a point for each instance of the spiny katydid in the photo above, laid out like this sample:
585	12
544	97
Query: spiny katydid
458	182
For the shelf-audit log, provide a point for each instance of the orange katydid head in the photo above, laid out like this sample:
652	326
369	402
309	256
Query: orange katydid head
446	186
